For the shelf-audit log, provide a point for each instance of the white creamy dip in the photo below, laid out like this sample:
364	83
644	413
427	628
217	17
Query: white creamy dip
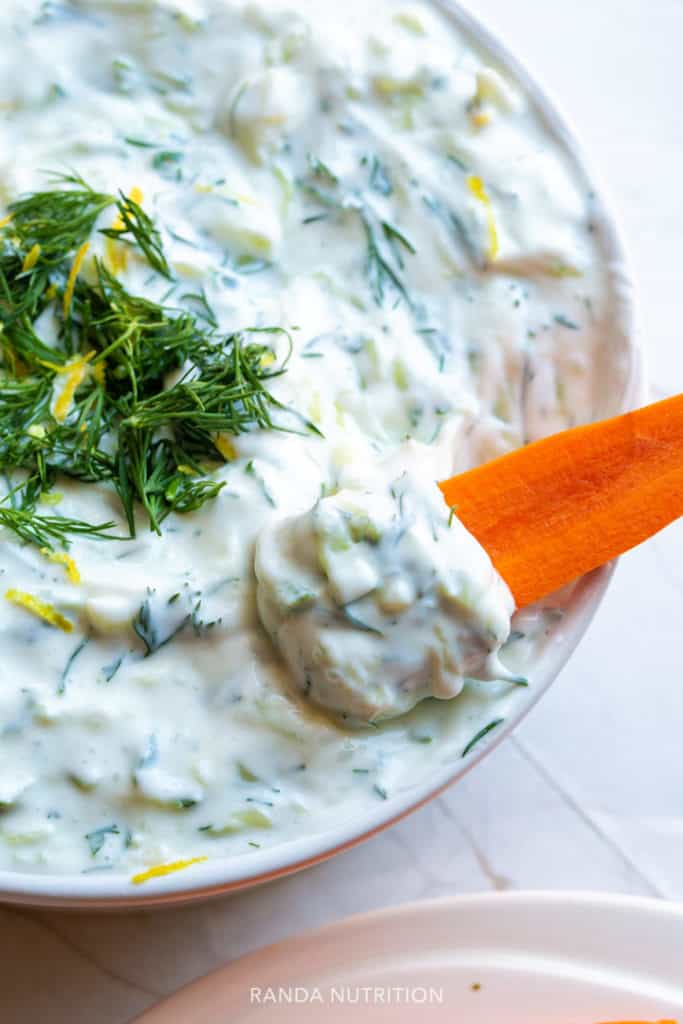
378	600
357	177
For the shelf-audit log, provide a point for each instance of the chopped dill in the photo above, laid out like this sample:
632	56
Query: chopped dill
44	531
315	218
119	420
251	470
136	223
109	671
379	178
321	170
96	839
386	245
564	321
144	627
69	664
481	734
167	162
380	271
151	754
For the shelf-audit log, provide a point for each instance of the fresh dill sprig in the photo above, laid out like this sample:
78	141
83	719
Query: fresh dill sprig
62	219
59	220
380	180
120	419
44	531
380	271
136	223
321	170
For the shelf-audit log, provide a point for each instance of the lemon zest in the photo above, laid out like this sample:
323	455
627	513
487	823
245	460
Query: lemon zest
57	367
61	558
226	447
51	498
68	367
160	870
564	270
478	190
73	274
31	258
480	119
76	371
410	21
117	254
267	359
99	372
5	221
51	292
47	612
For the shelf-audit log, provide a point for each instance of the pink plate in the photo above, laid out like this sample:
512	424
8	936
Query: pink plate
513	958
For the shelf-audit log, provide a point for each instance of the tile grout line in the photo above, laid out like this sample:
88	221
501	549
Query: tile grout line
497	881
598	830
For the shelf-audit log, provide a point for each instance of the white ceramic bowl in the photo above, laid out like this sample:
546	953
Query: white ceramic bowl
623	370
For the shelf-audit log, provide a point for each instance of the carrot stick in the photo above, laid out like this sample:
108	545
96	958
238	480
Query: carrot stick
552	511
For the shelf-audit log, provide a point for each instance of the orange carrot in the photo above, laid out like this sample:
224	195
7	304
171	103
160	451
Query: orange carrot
552	511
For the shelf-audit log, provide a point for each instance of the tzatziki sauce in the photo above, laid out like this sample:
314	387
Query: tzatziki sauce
362	218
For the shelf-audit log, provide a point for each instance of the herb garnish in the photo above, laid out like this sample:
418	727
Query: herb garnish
97	839
109	671
96	405
69	664
145	627
386	244
563	321
481	734
379	178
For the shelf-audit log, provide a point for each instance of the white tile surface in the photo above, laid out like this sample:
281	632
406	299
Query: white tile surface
589	793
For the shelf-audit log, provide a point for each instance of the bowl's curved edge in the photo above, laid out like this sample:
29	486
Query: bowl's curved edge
227	875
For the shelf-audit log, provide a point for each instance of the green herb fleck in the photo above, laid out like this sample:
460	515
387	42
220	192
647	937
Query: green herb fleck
379	178
109	671
144	626
96	839
63	679
481	734
564	321
251	470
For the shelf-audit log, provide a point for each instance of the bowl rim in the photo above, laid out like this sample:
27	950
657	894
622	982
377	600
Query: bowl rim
231	874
